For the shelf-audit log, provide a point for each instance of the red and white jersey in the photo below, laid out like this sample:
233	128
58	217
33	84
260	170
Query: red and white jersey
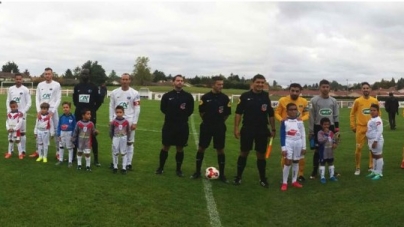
292	130
14	120
375	129
44	123
129	100
21	96
49	93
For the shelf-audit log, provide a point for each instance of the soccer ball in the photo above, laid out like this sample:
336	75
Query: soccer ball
212	173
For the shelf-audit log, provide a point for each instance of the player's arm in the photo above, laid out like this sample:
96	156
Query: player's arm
111	129
54	104
28	101
202	106
283	136
136	107
52	127
97	98
75	133
19	123
305	112
336	115
37	99
36	126
379	129
279	110
7	123
303	134
128	131
75	96
352	115
227	108
59	128
163	103
111	106
271	119
8	101
312	117
321	138
191	105
237	118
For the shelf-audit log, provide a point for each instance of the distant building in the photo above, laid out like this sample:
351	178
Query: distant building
5	76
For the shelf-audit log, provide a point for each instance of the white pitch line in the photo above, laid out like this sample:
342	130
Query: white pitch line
207	187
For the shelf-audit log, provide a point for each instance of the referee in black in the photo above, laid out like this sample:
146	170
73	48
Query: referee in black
86	95
255	108
214	109
177	105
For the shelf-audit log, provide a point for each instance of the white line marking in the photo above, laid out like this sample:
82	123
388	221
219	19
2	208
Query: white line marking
207	186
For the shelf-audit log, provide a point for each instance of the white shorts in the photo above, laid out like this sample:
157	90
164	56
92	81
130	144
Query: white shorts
42	138
85	151
13	136
66	140
379	148
119	145
293	149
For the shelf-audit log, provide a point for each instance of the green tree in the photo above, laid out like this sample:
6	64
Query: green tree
158	76
69	74
97	72
112	77
76	72
26	72
10	66
141	72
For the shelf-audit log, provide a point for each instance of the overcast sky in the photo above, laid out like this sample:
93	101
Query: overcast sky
299	42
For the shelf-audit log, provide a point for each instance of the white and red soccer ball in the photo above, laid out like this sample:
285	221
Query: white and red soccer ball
212	173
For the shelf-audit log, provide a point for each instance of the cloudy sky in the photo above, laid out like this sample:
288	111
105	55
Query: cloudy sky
299	42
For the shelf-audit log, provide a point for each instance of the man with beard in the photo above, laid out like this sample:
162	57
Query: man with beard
86	96
295	90
359	117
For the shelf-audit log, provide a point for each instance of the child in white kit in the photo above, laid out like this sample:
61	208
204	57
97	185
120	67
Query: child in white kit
375	142
43	130
13	125
120	135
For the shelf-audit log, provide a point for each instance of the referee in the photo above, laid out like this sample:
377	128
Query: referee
255	108
177	105
214	108
86	95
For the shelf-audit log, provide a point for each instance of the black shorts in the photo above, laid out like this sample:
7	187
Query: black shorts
176	135
250	135
217	131
316	129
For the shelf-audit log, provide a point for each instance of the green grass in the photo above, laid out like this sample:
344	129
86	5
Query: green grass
37	194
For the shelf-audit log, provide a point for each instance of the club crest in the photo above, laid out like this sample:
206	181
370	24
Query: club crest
221	109
182	106
264	107
84	129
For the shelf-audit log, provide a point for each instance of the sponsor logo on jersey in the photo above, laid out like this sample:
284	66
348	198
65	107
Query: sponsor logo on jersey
182	106
264	107
46	96
366	111
17	99
292	132
20	93
70	120
120	127
84	98
325	112
123	104
85	129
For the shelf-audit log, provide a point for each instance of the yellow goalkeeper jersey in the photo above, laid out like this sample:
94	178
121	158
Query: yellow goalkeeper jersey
360	112
301	103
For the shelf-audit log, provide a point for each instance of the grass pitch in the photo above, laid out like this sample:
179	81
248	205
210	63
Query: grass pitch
38	194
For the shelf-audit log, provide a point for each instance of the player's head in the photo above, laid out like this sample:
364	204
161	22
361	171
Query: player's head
48	74
44	107
365	89
294	90
178	82
18	79
291	109
66	107
119	111
325	123
217	84
324	88
86	114
125	81
374	110
258	82
13	105
85	75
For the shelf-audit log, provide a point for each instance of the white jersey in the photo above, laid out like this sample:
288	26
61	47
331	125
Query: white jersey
21	96
49	93
375	129
129	100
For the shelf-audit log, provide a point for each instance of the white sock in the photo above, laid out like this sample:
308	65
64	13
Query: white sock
19	147
40	150
115	161
285	173
45	151
88	161
124	161
57	144
322	171
374	165
379	165
70	155
61	153
23	143
129	154
79	160
10	147
295	171
331	170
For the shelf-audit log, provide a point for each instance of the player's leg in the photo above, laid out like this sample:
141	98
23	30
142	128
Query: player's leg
246	145
23	132
10	145
77	115
316	156
130	150
87	155
219	138
55	119
94	142
261	141
46	143
17	141
62	145
79	157
124	149
69	146
115	154
297	150
40	146
167	137
181	142
204	141
360	139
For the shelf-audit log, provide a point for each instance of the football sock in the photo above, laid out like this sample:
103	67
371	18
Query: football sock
295	171
221	159
79	160
88	161
379	165
19	147
61	153
370	159
163	158
241	162
129	154
124	161
261	165
358	155
374	164
179	157
115	160
45	151
10	147
57	144
302	164
70	155
322	171
40	150
23	142
199	160
331	170
286	170
315	163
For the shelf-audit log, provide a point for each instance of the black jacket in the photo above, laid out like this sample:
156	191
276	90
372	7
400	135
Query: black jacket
86	95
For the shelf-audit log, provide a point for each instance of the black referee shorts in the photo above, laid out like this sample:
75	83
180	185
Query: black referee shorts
259	136
215	131
175	135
